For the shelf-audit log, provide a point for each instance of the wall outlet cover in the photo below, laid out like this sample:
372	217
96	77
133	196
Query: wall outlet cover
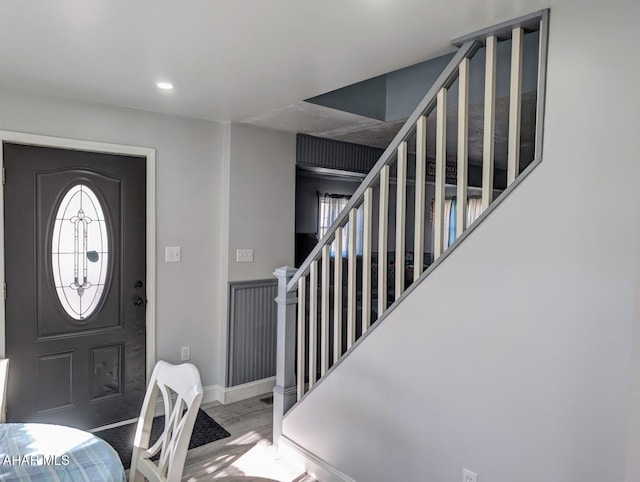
468	476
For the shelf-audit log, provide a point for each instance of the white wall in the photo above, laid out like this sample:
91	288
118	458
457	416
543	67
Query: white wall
262	200
258	202
514	358
188	186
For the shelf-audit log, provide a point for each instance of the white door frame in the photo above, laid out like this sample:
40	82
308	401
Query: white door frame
79	145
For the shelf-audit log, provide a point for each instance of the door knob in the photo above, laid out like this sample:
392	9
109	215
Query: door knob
138	284
139	302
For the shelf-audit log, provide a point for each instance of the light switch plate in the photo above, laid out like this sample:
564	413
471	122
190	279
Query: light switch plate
172	254
244	255
185	353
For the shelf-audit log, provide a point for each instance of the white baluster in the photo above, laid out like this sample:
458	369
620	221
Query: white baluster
324	312
301	335
366	259
421	167
489	121
383	226
515	100
441	169
337	297
351	279
463	147
543	44
401	207
313	322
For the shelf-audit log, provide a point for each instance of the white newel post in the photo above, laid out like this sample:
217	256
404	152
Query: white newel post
284	393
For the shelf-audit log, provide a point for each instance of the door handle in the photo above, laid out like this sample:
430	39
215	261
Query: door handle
139	302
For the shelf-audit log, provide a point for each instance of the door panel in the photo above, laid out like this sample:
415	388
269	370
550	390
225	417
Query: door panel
75	251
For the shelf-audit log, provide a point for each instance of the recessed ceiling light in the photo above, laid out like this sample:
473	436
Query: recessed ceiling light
165	85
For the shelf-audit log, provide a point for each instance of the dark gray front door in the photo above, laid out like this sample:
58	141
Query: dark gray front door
75	258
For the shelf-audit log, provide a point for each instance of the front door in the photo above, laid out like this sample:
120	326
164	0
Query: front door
75	260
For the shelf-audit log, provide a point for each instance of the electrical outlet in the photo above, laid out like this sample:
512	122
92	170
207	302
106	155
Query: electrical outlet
468	476
185	353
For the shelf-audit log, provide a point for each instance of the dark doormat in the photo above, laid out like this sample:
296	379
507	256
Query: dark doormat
205	430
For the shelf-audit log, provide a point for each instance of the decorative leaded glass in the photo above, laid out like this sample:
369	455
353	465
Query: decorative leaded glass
80	252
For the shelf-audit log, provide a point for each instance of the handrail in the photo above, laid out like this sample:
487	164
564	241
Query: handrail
503	30
445	80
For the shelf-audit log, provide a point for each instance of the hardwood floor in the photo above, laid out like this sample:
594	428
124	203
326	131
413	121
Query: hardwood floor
246	456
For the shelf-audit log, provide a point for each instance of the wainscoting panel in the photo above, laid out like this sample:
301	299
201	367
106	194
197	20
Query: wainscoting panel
251	354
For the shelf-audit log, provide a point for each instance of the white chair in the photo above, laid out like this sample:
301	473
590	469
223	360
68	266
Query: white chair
4	377
182	381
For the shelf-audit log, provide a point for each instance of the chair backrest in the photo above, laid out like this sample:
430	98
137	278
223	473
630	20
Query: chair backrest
4	377
183	383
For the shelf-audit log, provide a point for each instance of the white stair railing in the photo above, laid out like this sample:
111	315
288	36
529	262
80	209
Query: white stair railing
321	314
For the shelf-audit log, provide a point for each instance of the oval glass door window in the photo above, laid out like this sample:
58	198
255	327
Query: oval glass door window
80	252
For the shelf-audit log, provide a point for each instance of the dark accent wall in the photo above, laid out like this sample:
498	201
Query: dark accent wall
317	152
329	154
394	95
406	87
366	98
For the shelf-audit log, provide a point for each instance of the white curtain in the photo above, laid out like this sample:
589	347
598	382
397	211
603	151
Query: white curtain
330	207
449	223
474	209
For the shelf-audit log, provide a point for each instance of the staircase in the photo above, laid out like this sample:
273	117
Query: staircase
332	303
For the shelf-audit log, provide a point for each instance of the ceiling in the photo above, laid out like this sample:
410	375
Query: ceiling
238	60
320	121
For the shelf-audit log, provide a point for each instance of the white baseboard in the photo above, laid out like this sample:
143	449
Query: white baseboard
213	393
217	393
315	466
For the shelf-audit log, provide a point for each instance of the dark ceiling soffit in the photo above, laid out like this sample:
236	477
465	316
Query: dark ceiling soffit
331	154
530	23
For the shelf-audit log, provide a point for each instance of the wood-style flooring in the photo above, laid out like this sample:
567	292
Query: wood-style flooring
246	456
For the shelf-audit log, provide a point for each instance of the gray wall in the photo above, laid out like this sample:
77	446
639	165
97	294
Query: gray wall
515	357
257	202
188	187
261	203
219	187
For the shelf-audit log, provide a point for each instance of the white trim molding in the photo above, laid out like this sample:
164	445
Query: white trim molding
315	466
92	146
246	390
